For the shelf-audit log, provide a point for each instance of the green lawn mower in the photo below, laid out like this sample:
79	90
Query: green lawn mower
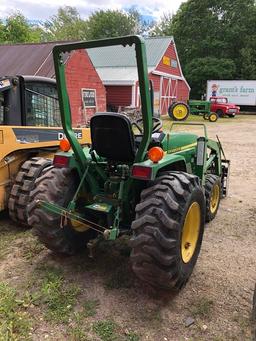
158	187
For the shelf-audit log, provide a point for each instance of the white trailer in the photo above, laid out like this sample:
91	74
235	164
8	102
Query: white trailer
240	92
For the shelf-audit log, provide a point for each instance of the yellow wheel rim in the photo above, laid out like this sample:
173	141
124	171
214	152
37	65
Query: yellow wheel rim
180	111
213	118
215	197
190	232
78	226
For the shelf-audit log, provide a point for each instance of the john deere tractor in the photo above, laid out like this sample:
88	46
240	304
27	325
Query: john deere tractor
158	187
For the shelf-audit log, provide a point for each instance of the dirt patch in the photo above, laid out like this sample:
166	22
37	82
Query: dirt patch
100	299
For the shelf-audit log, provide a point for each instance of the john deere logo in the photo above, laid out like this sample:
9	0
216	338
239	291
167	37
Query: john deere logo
78	135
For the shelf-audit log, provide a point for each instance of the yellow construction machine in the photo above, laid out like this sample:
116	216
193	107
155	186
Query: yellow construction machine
30	134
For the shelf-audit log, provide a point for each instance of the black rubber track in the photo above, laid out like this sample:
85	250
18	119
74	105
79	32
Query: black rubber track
157	230
58	185
210	181
23	185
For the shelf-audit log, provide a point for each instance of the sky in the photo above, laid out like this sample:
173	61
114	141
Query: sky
44	9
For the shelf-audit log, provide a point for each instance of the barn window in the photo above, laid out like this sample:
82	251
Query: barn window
89	98
174	63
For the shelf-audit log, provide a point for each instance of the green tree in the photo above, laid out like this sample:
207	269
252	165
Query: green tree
248	63
112	23
202	69
142	27
221	29
16	29
1	32
164	27
37	35
66	25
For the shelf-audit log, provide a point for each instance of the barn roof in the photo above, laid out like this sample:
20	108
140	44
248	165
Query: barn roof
119	56
27	59
119	75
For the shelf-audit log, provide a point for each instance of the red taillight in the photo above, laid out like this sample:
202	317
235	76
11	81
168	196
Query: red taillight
60	161
141	172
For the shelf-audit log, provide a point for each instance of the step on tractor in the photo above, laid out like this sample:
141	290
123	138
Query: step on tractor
158	187
29	138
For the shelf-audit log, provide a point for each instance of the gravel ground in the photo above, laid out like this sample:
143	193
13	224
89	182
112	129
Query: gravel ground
101	300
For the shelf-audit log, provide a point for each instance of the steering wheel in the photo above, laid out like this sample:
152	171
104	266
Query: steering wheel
157	124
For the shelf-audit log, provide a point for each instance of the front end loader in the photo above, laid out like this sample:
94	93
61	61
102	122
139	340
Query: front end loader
158	187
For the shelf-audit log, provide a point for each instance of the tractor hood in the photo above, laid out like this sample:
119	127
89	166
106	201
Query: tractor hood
175	142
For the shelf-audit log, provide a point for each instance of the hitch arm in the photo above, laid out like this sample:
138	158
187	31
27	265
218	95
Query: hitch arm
66	214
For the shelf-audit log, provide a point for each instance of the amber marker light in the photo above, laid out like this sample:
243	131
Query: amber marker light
64	145
155	154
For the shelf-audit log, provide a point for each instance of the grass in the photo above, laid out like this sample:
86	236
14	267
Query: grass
202	308
14	319
8	236
77	334
167	122
58	296
131	336
90	307
32	248
106	330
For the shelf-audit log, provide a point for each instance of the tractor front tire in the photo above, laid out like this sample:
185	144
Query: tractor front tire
168	230
178	111
213	117
57	186
212	196
23	185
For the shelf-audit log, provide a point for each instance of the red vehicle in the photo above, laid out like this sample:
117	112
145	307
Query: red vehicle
220	105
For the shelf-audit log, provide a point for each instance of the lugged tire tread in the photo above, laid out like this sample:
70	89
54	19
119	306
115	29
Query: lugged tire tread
209	182
57	186
24	183
156	229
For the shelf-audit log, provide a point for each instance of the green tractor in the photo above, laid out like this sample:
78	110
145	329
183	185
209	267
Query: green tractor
158	187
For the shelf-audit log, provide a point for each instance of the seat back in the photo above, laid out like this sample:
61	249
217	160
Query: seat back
112	137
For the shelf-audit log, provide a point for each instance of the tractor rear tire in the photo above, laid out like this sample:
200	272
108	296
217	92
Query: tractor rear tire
168	230
178	111
57	186
23	185
206	116
212	196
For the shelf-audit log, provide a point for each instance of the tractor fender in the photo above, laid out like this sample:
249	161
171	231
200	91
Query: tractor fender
168	163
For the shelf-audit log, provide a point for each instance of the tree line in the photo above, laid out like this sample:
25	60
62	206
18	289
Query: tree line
215	39
67	24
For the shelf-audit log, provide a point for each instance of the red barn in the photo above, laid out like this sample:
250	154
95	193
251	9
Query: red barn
86	91
116	66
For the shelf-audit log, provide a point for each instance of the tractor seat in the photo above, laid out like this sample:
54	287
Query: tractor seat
112	137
